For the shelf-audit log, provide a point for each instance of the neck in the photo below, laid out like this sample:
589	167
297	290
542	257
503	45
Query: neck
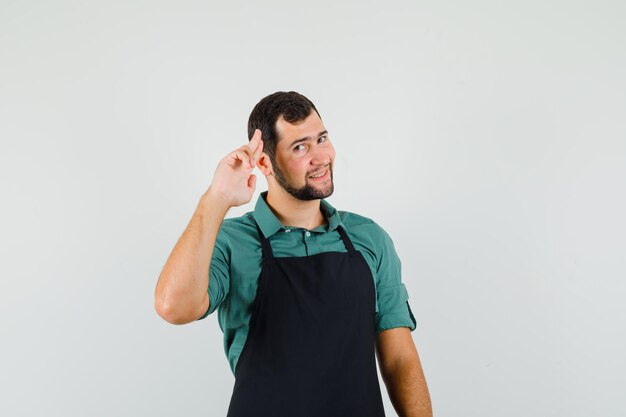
293	212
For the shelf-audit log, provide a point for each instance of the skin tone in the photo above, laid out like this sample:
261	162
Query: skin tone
401	369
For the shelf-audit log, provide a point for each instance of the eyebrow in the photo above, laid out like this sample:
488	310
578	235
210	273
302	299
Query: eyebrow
307	138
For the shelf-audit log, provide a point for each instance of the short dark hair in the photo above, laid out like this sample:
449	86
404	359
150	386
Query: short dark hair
294	107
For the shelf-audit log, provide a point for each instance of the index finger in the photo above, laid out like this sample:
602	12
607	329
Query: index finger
256	139
256	135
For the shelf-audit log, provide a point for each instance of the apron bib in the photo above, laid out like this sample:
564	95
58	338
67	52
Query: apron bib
310	350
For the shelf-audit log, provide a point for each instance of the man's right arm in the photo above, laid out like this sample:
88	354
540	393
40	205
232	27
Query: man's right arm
181	295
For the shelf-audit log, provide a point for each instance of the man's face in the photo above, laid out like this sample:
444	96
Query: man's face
304	150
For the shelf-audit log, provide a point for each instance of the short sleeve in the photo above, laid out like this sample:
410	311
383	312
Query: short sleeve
219	273
392	296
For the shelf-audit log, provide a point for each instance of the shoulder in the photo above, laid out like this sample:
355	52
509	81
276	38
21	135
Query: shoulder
363	227
237	232
235	224
369	237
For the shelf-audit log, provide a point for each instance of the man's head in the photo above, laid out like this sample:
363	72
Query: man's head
295	145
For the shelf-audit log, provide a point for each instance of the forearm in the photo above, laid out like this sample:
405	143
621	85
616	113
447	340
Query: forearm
181	292
407	389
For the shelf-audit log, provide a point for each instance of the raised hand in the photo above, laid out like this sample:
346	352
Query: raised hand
233	181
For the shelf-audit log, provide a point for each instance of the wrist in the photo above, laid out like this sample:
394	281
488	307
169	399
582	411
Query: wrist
213	201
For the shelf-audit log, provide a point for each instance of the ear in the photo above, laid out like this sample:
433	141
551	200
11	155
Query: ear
264	164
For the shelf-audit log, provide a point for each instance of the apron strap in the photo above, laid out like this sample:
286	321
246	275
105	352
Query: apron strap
267	248
346	240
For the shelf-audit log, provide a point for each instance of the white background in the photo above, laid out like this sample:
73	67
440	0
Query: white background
488	138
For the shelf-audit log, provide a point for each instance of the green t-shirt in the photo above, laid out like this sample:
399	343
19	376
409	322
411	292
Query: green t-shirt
237	260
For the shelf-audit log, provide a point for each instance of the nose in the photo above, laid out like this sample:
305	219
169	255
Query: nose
321	157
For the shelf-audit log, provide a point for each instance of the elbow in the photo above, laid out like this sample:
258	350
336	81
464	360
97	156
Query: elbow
167	312
173	313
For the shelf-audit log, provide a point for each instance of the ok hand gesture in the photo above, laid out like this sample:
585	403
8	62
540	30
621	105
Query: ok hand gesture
233	180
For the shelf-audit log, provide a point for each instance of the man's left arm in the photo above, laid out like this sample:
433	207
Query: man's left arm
402	373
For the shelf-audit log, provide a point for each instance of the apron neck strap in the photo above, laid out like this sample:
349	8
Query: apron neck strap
346	240
265	244
267	248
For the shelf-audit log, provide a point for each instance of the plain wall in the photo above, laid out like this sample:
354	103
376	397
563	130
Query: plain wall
488	138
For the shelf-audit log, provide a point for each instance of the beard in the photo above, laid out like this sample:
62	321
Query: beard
308	191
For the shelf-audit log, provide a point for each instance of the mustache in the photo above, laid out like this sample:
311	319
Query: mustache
327	166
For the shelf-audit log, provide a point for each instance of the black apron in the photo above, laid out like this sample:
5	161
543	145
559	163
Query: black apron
310	346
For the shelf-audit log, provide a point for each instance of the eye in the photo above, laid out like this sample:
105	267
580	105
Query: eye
322	137
296	147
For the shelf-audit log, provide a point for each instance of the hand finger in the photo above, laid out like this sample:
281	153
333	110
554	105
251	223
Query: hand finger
244	154
252	181
250	154
257	153
256	139
255	145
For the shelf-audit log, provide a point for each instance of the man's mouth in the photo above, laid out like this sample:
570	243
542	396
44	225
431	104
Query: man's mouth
320	175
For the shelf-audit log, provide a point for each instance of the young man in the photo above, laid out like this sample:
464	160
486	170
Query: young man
307	295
